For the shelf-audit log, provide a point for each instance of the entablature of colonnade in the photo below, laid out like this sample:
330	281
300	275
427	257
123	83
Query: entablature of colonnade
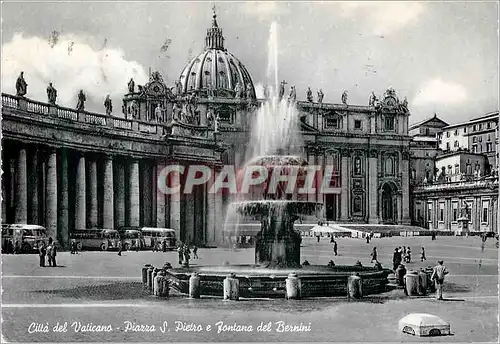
487	187
30	121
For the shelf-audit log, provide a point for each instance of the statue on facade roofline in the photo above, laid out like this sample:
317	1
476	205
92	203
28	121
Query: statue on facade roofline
282	90
108	105
320	96
344	97
21	86
51	94
292	97
404	106
216	123
131	86
249	92
373	101
178	87
309	95
80	105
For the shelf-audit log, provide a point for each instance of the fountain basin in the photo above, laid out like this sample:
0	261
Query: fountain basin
258	282
264	208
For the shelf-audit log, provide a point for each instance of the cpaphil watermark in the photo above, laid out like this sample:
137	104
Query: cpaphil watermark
289	180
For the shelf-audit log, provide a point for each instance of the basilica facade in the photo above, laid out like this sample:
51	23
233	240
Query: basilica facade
70	169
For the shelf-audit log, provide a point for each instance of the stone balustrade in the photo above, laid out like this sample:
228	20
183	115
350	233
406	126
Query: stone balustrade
34	107
478	183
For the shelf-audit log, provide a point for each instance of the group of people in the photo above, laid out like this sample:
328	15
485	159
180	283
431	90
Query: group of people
49	251
10	247
184	252
403	254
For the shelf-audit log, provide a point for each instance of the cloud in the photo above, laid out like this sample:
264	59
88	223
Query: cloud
439	92
96	72
264	9
384	18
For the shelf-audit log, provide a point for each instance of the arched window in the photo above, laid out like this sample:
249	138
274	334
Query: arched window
207	79
389	166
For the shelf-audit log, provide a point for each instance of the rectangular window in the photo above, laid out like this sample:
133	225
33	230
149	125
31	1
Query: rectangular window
332	123
480	126
456	132
474	139
465	130
488	125
474	148
474	128
357	124
484	216
447	146
429	212
489	147
454	205
447	134
441	212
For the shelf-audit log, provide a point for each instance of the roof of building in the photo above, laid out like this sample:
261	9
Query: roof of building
426	120
216	71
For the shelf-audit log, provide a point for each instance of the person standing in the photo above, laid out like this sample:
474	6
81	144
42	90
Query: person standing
396	259
335	247
422	254
50	247
437	276
408	255
180	253
164	245
53	254
374	255
41	252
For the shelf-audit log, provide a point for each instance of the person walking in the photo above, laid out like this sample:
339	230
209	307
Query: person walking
422	254
195	252
408	255
42	251
374	255
367	238
396	259
437	276
120	245
335	247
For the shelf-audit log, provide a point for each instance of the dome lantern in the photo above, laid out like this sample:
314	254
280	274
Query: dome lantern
214	39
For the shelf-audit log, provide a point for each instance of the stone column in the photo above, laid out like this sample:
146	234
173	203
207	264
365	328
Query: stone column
175	205
405	184
372	186
399	202
92	194
63	218
119	196
312	162
146	192
134	192
21	189
80	195
51	194
33	188
210	212
344	188
320	196
160	196
190	214
108	198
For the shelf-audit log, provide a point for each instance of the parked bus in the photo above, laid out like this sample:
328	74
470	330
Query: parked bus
131	238
103	239
151	235
29	237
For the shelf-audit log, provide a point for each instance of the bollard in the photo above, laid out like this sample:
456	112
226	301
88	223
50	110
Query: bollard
354	287
411	283
293	286
150	278
231	288
159	289
155	273
166	286
194	286
422	282
145	275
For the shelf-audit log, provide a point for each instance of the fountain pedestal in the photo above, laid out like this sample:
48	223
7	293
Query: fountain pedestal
283	252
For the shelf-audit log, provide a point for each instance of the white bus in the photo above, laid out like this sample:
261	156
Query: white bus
28	237
103	239
158	235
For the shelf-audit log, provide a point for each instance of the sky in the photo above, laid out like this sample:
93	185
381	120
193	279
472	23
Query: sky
442	56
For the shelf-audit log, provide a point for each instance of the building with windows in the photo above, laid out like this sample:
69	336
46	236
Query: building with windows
70	169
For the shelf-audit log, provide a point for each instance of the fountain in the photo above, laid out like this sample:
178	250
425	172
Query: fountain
275	146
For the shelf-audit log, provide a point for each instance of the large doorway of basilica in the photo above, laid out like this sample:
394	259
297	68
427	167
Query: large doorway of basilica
389	204
330	207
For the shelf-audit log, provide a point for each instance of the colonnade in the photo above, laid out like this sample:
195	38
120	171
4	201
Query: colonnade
64	189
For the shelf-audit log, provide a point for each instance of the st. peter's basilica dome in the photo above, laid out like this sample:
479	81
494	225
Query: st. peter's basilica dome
216	71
